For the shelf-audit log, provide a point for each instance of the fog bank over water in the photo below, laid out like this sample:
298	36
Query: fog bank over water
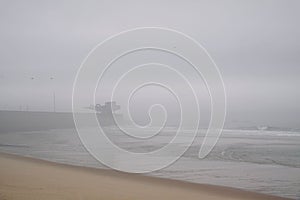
255	44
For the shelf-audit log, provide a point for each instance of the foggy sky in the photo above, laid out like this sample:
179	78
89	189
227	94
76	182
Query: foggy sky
255	44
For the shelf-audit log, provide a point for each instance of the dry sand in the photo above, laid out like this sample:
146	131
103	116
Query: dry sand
28	179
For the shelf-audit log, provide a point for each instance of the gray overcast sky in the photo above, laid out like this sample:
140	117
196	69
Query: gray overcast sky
255	44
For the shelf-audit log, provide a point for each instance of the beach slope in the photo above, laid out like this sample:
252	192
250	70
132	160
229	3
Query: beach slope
28	178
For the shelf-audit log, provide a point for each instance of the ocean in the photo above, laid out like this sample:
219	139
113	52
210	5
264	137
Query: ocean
260	161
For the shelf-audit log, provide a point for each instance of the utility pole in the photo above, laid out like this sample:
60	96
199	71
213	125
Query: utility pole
32	79
54	106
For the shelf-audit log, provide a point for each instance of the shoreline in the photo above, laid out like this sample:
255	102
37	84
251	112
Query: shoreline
28	178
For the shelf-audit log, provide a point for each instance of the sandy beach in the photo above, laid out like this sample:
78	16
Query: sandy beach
29	178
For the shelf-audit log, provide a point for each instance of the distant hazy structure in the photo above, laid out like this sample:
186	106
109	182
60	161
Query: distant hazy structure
107	113
108	108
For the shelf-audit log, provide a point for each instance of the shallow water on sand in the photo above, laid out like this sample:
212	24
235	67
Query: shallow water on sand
261	161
